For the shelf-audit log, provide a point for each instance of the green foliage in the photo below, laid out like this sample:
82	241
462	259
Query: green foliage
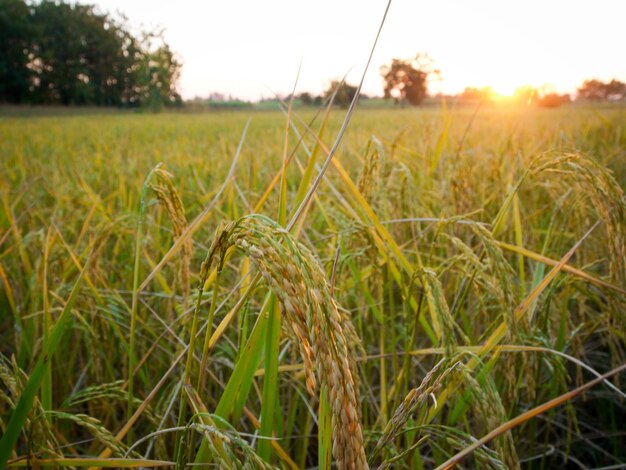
344	93
407	80
306	98
596	90
16	31
59	53
477	94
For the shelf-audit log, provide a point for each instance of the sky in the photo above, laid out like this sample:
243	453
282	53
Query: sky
252	49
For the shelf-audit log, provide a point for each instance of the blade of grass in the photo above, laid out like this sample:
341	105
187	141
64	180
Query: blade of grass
519	241
443	139
325	431
503	348
500	332
505	427
201	412
301	209
46	385
369	217
19	240
310	168
566	268
270	380
235	393
303	205
331	153
91	461
26	400
144	404
272	338
135	295
200	219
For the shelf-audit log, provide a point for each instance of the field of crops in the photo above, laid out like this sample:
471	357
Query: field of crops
454	275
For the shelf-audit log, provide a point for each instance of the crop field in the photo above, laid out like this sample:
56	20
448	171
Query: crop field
182	289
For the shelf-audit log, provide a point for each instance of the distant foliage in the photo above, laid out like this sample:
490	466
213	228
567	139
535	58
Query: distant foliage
540	97
16	29
407	80
526	94
57	53
553	100
478	94
344	93
596	90
306	98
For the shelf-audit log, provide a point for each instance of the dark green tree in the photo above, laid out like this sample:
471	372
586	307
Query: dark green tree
344	93
596	90
306	98
70	54
593	90
485	94
16	35
158	74
615	90
406	80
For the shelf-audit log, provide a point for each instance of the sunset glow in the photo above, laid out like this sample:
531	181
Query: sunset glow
312	234
247	48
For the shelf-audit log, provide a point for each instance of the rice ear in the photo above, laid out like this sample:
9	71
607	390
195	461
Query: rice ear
170	199
313	320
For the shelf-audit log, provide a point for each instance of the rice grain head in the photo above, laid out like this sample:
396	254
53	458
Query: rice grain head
325	341
169	198
415	399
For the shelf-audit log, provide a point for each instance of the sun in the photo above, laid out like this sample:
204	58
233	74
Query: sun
505	88
504	84
504	91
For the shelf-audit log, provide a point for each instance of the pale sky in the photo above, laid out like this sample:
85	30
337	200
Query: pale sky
247	48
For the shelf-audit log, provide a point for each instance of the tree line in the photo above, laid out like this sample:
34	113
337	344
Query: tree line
406	82
58	53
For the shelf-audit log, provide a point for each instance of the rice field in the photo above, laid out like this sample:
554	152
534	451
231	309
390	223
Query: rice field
452	293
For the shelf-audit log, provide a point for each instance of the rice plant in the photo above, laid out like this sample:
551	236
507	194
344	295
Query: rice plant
452	292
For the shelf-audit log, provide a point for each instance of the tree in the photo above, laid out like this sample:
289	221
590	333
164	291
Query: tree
615	90
478	94
15	47
306	98
75	52
552	100
158	76
407	80
526	95
592	90
344	93
596	90
57	53
543	97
